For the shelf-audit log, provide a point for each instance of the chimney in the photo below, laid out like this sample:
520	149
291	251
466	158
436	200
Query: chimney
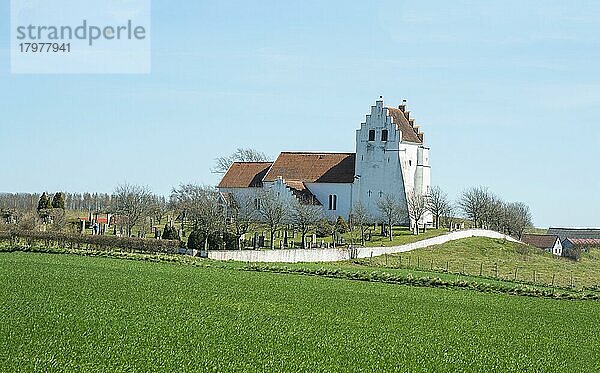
403	105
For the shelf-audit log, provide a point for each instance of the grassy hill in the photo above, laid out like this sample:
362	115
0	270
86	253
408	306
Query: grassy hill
478	256
66	312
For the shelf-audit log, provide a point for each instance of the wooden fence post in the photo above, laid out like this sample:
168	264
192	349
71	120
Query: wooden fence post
553	276
496	269
481	269
418	262
447	266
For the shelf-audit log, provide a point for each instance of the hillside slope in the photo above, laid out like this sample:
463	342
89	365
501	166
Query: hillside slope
481	256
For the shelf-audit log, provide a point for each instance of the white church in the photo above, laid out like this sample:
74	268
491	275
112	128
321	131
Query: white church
390	158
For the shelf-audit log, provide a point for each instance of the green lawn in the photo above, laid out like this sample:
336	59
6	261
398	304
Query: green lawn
73	313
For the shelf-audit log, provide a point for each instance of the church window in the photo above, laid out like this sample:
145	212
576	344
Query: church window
369	193
380	194
257	203
384	135
371	135
409	162
332	202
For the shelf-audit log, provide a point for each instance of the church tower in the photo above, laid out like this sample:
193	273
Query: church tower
390	158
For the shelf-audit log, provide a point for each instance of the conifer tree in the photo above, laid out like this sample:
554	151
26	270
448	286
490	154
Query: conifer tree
58	201
44	202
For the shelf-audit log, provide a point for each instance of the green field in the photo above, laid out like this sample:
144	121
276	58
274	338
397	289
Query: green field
74	313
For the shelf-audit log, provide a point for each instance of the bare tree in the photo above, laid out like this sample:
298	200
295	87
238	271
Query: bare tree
133	203
362	217
201	205
438	204
222	164
242	212
390	211
305	215
518	217
417	205
272	211
473	202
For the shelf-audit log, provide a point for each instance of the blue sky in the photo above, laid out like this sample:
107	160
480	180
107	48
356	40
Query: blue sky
508	95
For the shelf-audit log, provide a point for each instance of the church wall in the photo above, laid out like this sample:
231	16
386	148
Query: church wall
343	191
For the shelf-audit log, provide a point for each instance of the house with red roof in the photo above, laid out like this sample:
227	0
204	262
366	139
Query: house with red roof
390	158
547	242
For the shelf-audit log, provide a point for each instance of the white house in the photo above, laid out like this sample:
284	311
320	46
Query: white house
547	242
390	158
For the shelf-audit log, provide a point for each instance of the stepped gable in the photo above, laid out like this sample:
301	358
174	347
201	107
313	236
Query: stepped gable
402	119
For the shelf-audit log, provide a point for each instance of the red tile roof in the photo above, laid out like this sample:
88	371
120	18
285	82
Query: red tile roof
585	241
409	133
543	241
313	167
245	175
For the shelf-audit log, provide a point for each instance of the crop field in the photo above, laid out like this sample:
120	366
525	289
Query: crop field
74	313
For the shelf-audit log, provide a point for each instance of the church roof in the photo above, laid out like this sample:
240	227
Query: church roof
313	167
405	125
245	175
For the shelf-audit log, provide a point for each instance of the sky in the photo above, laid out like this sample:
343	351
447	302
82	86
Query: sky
507	93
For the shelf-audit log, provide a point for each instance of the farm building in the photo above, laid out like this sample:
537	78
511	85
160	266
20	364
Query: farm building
547	242
564	233
390	158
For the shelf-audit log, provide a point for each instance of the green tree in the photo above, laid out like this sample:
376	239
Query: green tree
58	201
44	202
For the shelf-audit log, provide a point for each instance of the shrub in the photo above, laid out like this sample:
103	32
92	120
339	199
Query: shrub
170	233
324	228
341	226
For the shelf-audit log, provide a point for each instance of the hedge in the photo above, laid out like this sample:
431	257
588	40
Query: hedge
88	242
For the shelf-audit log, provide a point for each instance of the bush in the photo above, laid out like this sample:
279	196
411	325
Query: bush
170	233
341	226
324	228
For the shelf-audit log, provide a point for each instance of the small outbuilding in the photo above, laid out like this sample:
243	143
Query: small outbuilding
547	242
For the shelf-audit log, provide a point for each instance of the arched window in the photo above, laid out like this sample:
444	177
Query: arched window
371	135
384	135
332	202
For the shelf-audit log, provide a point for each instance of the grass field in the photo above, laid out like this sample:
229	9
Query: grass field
514	261
64	312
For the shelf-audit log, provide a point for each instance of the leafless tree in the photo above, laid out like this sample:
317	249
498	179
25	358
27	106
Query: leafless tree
59	220
438	204
133	203
201	205
391	211
417	205
222	164
362	217
474	202
272	211
305	215
518	217
242	212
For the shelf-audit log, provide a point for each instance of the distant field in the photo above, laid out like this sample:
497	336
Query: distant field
63	312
